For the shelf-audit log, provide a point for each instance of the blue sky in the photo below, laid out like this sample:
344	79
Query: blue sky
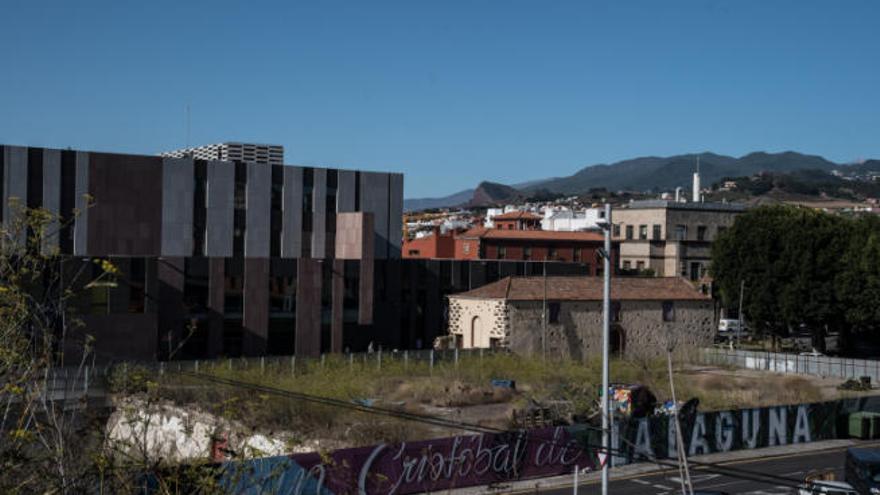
447	92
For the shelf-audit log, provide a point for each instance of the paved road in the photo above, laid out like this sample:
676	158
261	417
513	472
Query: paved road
793	467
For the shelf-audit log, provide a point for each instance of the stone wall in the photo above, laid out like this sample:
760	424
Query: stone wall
641	331
476	321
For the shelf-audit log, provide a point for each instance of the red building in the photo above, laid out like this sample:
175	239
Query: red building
434	245
517	220
533	245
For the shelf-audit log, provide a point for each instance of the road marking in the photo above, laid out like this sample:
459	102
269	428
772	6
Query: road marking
641	482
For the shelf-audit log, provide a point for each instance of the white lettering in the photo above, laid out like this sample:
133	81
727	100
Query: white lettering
751	442
724	431
698	437
365	469
802	427
776	435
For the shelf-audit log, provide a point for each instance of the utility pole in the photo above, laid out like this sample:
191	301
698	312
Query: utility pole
606	332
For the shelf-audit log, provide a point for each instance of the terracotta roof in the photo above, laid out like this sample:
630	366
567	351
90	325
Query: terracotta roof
517	215
578	288
474	232
542	235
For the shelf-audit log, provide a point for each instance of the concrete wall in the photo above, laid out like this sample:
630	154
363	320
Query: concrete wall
15	175
374	199
291	218
126	217
319	206
177	206
259	210
52	197
81	205
220	210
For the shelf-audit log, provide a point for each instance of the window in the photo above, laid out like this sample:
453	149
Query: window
643	232
657	232
553	309
615	311
627	265
721	229
640	265
701	232
629	231
502	252
668	311
466	247
551	253
616	230
576	255
527	253
413	252
681	232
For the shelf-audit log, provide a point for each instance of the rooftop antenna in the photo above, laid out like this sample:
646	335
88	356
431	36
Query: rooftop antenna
187	125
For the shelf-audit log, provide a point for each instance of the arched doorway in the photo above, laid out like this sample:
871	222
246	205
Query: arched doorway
475	331
617	344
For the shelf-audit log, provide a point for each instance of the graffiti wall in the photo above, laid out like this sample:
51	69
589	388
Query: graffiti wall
431	465
474	460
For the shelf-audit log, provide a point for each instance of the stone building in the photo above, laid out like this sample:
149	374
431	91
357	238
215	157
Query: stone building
515	313
670	238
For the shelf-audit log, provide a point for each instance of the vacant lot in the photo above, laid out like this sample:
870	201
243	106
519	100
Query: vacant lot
460	391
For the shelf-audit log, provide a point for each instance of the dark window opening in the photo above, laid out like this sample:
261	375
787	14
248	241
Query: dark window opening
701	232
629	232
668	311
643	232
657	233
240	204
553	312
276	212
615	311
200	206
233	288
137	278
35	178
351	296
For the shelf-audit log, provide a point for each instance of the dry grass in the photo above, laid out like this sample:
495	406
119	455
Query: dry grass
416	387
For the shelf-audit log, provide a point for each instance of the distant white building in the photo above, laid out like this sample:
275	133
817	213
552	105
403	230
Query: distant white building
494	212
271	154
571	221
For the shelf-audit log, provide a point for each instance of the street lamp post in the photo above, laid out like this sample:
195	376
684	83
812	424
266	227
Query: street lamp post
606	333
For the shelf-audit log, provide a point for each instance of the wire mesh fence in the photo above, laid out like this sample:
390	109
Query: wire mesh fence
800	364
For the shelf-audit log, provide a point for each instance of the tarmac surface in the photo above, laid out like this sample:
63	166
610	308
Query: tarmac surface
787	472
768	471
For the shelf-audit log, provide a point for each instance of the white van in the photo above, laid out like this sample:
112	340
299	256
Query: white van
730	327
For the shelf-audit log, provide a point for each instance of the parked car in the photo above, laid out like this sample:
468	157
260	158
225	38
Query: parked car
862	469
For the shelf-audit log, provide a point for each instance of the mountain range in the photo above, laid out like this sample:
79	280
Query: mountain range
644	174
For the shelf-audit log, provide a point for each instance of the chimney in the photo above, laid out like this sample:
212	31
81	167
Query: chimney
678	194
696	192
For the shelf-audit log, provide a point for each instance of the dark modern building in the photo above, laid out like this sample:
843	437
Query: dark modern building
232	258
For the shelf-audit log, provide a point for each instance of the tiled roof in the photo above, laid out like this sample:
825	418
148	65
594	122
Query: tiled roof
542	235
517	215
579	288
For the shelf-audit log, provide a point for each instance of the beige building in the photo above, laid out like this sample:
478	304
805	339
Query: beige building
670	238
646	314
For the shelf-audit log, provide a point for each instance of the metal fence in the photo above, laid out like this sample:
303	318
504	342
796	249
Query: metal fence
824	366
429	358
